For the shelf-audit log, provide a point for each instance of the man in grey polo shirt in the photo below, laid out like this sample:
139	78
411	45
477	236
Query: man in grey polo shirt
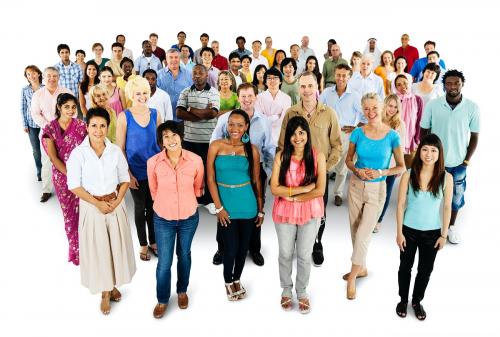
198	106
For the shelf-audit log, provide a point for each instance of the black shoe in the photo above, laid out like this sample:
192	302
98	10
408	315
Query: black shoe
39	178
257	258
45	197
317	254
218	257
338	200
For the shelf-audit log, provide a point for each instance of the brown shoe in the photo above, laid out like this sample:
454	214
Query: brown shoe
105	302
159	310
182	300
337	201
116	296
45	197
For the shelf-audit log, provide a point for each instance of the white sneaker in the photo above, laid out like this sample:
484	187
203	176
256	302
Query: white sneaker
210	208
453	236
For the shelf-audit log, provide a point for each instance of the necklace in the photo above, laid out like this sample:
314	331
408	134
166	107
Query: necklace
310	111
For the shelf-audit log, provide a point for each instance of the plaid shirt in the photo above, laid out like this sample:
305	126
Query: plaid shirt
26	95
70	76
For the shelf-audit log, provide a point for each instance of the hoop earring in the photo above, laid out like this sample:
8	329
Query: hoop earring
246	138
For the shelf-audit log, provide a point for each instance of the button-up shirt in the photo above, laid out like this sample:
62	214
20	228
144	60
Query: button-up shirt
242	53
70	76
143	62
260	136
161	102
452	126
325	131
347	107
174	189
97	175
26	96
370	83
43	105
174	86
189	65
274	109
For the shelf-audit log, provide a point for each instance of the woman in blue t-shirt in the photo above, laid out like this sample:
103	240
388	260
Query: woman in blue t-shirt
373	144
421	192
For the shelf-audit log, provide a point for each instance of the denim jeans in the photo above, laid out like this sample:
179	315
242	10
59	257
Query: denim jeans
459	174
166	232
389	181
34	133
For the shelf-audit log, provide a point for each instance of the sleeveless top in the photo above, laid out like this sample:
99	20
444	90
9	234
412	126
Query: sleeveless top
114	101
298	212
140	144
235	188
422	209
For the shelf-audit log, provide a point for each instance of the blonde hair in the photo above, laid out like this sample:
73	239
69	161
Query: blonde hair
98	87
138	83
395	121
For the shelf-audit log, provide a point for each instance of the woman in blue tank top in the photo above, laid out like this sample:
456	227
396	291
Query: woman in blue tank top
233	177
136	136
419	226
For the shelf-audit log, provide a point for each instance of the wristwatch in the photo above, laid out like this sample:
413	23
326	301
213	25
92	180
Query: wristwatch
261	214
380	172
466	162
218	210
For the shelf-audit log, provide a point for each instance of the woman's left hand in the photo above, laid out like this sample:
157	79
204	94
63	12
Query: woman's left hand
113	204
373	174
440	243
258	221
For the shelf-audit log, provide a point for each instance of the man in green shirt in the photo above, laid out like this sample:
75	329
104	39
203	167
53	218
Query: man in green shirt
331	63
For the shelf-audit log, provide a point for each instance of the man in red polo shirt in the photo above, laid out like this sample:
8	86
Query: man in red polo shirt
219	61
410	53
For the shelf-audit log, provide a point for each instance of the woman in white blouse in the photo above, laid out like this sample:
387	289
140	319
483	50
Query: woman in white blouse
98	175
429	88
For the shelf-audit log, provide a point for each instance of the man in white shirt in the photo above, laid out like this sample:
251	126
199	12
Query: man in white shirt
159	98
301	64
305	51
257	58
120	38
366	81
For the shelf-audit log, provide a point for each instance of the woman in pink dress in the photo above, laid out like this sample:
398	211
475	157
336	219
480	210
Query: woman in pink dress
298	183
116	96
59	138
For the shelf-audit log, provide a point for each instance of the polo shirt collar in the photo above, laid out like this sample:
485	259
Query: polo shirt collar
207	87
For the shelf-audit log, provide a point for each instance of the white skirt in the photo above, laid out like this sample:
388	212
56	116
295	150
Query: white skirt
106	249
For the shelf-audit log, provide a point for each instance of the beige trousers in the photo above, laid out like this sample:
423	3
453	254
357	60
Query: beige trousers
341	169
365	201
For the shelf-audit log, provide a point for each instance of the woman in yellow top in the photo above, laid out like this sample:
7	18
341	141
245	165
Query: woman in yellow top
245	68
127	66
99	99
385	69
269	52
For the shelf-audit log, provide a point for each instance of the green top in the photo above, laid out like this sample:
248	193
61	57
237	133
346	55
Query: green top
112	126
329	69
230	103
292	90
238	201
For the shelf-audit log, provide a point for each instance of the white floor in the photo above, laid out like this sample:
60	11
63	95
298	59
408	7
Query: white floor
41	292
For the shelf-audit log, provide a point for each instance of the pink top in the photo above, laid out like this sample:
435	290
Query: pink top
174	190
43	105
114	101
274	109
298	212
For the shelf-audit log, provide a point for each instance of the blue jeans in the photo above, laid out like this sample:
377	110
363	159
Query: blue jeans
33	133
459	174
390	183
165	232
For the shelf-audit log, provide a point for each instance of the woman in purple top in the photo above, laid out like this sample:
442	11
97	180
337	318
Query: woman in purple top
59	138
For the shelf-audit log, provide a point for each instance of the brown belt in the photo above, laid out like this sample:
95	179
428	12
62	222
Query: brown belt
108	197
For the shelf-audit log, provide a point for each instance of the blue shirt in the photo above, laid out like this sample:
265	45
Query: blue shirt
374	154
191	53
453	127
70	76
260	136
347	106
242	53
142	63
26	96
418	68
372	83
174	86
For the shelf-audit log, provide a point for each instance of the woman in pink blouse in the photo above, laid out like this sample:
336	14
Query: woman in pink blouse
175	178
298	183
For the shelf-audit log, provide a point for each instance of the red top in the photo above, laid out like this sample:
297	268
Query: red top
220	62
410	53
160	53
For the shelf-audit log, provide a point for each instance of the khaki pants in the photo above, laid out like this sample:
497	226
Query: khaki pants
365	201
341	169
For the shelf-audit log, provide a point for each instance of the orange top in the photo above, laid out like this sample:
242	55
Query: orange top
174	190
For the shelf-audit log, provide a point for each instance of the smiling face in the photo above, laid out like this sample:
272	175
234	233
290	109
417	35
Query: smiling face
402	85
387	58
429	75
97	129
256	46
91	71
269	43
106	77
172	142
64	55
405	39
140	97
32	77
273	82
67	110
294	52
147	48
400	65
204	41
117	53
429	154
366	66
100	98
371	110
127	68
288	70
151	78
173	60
307	89
235	64
80	58
280	57
391	108
247	99
342	76
224	81
311	64
207	58
260	75
51	78
245	64
215	47
335	51
98	51
299	139
153	40
236	126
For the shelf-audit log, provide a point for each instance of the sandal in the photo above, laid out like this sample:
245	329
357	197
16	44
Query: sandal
144	256
116	296
377	227
419	311
304	305
105	302
239	290
286	303
401	309
360	275
230	292
153	250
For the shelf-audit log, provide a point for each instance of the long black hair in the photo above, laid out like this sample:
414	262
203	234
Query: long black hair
437	180
316	69
86	80
286	156
61	99
248	145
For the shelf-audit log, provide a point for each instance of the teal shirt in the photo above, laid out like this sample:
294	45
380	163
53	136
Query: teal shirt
453	127
239	202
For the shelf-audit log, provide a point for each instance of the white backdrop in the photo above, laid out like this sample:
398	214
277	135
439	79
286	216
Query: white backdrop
40	293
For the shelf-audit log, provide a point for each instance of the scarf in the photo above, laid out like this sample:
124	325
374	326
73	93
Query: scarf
409	116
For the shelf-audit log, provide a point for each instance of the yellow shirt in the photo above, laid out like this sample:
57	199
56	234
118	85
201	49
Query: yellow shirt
268	56
121	83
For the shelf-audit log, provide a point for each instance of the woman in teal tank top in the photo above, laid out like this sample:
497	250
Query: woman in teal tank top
233	177
419	226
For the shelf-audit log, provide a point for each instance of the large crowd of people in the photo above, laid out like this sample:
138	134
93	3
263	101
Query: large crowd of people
182	129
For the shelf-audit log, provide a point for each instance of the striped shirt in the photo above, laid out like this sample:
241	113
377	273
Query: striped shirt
70	76
26	96
201	131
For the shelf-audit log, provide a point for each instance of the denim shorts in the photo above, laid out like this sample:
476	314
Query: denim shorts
459	174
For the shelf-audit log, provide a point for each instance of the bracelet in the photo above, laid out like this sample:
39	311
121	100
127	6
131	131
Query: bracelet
289	191
466	162
218	210
441	236
380	172
261	214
